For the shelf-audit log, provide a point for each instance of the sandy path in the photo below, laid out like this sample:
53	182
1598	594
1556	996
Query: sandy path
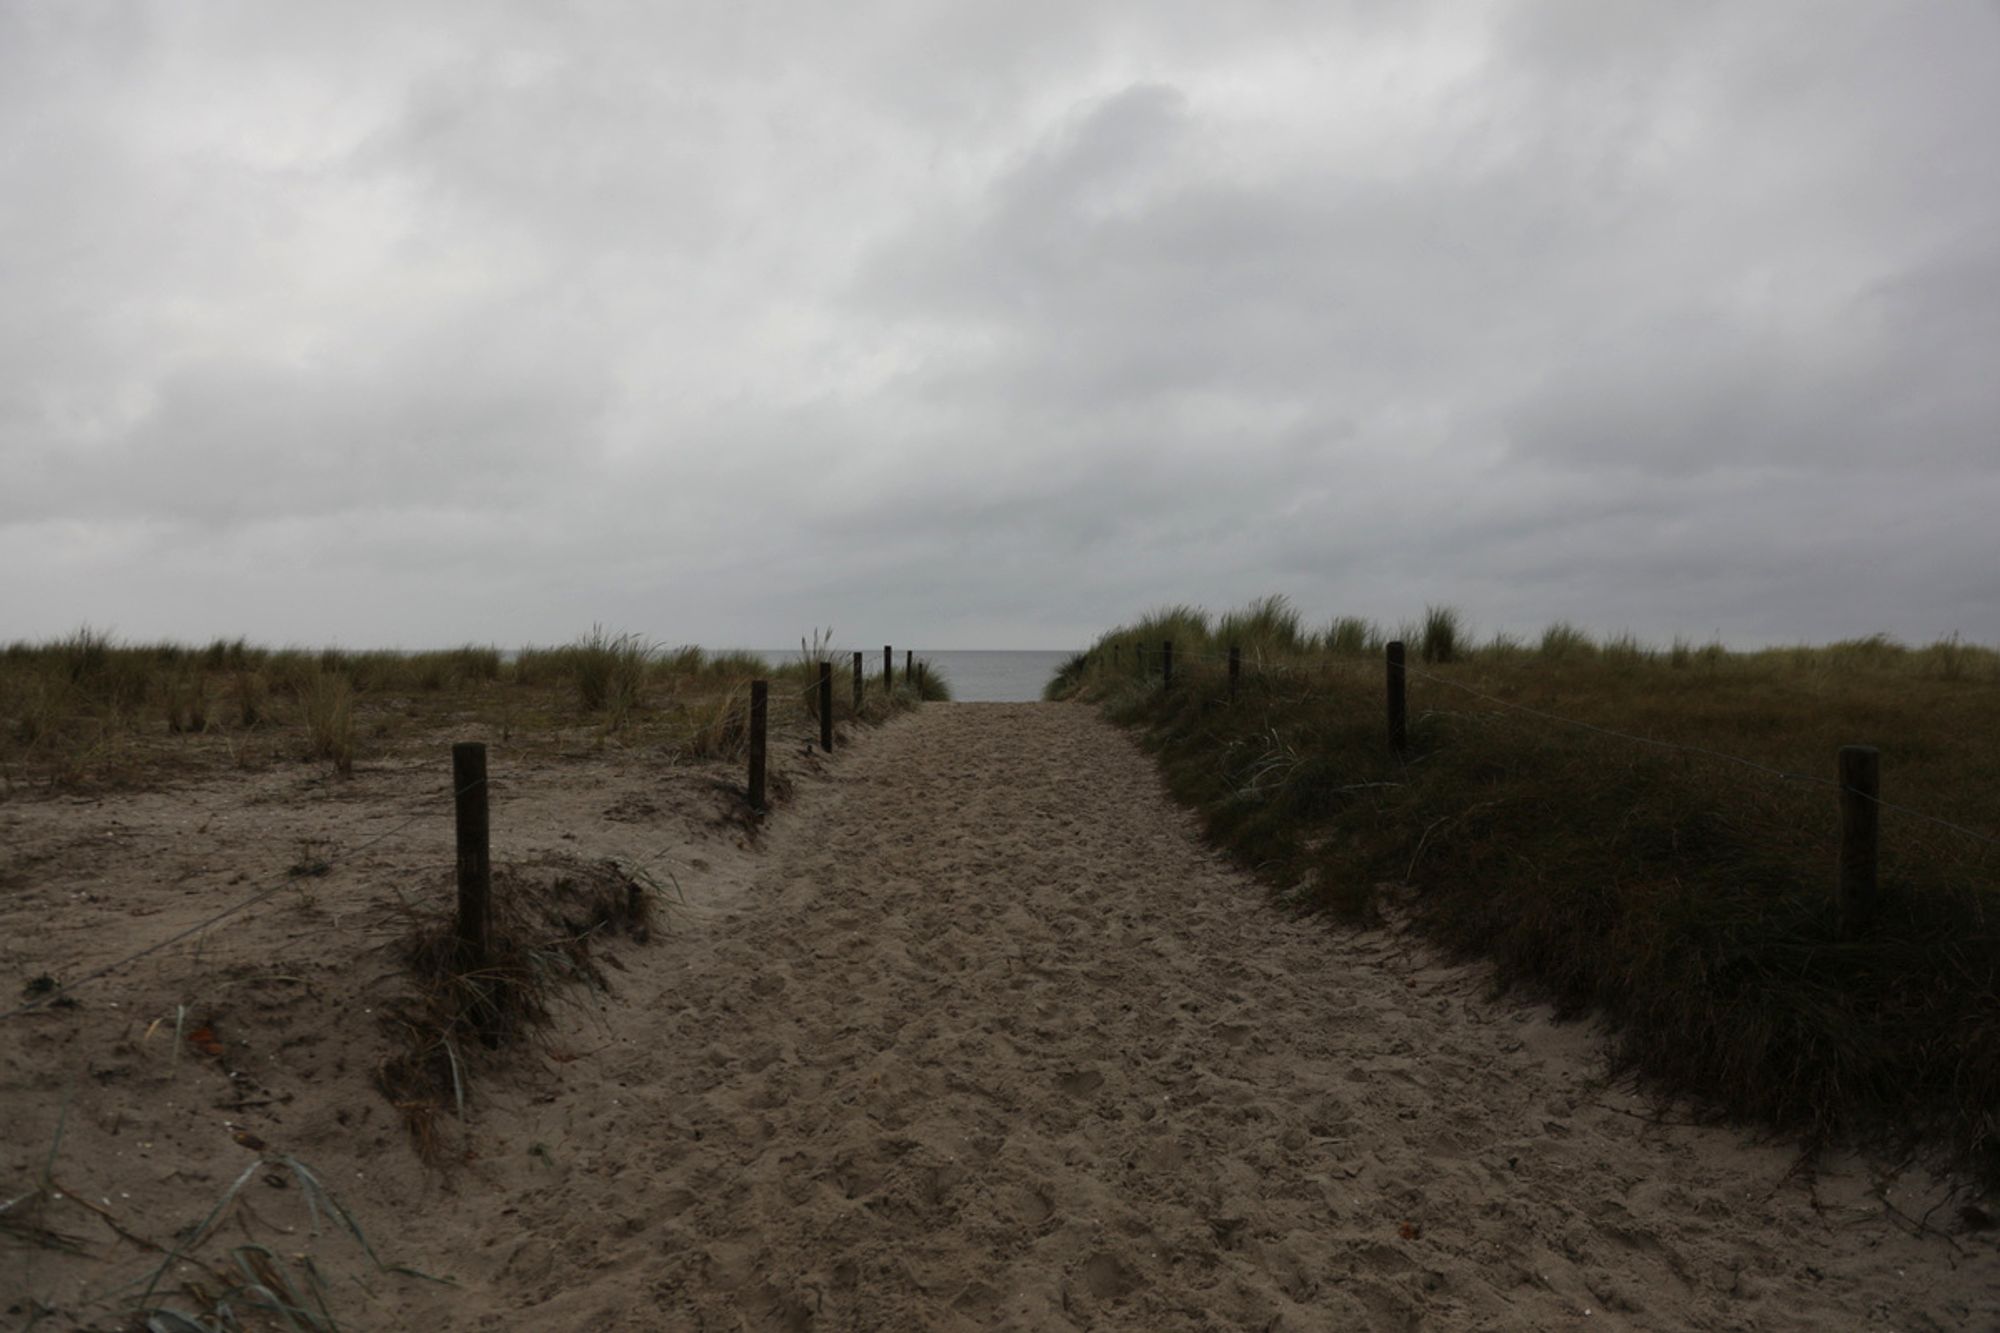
990	1040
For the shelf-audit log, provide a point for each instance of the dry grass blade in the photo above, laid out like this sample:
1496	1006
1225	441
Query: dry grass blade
548	917
20	1228
194	1237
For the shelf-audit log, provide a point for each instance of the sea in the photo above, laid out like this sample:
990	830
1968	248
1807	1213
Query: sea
976	676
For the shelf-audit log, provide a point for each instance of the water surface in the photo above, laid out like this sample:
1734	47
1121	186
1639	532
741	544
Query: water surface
981	675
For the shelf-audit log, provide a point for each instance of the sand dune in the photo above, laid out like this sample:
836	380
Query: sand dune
983	1037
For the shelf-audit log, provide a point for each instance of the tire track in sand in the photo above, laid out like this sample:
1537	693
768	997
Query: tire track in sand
994	1041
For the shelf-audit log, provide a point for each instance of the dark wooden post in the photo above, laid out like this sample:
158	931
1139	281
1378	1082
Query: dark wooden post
909	666
826	705
1167	664
475	855
857	682
760	712
1235	670
888	668
1399	739
1860	818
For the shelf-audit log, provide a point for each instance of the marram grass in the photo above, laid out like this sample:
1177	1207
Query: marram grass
87	711
1684	898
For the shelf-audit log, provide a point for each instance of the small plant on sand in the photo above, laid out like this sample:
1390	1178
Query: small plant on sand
187	700
610	672
326	702
547	922
933	686
718	724
246	690
813	650
250	1286
256	1284
1068	678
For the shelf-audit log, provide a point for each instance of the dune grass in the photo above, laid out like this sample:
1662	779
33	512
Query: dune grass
88	711
1685	898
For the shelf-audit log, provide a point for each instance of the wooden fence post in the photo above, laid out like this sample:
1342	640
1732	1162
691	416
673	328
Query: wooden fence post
909	666
1399	739
888	668
1860	820
826	705
857	682
760	711
475	855
1235	670
1167	664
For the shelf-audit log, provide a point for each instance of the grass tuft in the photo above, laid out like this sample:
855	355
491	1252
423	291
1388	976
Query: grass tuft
1442	636
1268	627
548	919
326	703
1353	636
1563	641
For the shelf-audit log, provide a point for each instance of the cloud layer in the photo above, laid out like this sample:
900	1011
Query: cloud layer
985	326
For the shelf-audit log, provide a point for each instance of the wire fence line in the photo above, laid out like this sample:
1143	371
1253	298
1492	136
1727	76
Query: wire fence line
422	810
1209	656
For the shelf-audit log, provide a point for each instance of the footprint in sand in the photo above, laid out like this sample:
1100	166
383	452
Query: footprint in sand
1080	1083
1108	1277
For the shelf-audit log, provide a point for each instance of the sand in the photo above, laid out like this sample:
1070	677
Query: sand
976	1034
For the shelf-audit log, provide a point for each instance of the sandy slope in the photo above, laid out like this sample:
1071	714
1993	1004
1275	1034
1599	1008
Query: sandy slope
991	1040
980	1037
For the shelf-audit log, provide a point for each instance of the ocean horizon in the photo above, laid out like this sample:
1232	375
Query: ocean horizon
975	675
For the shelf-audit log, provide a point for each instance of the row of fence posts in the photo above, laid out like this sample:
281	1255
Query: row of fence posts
1857	901
913	673
472	809
1858	893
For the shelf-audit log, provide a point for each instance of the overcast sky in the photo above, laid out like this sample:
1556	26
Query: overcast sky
988	325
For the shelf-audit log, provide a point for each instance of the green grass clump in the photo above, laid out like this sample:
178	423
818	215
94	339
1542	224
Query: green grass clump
1564	640
1353	636
1068	679
610	672
326	701
931	685
1441	637
1268	627
1685	898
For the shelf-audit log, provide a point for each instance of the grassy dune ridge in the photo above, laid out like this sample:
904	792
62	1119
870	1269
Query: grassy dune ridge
87	710
1685	898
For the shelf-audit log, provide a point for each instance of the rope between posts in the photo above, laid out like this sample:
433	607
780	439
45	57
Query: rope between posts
207	923
1784	774
294	877
1767	769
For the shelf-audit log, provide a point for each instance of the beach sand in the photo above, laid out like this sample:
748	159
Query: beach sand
975	1034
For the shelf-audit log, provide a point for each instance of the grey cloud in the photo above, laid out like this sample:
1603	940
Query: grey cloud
408	324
